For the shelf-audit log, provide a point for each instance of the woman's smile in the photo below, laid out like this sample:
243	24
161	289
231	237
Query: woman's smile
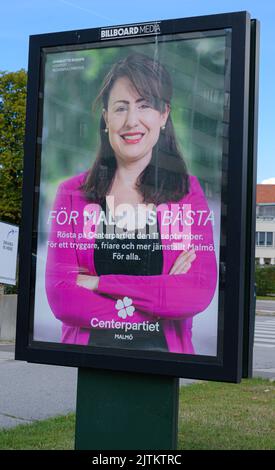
131	138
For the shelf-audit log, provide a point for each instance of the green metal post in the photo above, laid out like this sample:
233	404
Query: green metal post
126	411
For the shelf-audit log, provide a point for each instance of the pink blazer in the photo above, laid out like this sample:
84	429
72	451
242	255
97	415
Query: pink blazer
171	299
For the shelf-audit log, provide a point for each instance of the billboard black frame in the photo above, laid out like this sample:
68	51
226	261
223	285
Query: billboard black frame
250	291
198	367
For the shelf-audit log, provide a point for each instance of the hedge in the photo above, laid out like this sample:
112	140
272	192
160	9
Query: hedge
265	280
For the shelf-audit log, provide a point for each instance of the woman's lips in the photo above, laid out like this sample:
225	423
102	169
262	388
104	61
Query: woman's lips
132	137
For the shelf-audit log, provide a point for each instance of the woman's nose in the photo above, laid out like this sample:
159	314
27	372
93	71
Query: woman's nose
132	117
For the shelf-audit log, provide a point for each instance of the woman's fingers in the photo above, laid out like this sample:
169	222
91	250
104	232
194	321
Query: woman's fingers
183	262
83	280
89	282
180	259
183	267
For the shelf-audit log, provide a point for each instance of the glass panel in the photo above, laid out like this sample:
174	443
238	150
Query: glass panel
265	210
261	238
269	238
132	206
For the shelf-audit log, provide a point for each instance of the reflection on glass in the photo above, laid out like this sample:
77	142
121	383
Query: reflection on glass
178	320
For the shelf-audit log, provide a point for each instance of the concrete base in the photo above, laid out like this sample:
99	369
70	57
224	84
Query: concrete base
8	309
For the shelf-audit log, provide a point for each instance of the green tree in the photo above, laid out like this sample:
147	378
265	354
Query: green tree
265	280
12	128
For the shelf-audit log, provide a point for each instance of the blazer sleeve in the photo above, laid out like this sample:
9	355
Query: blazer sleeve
175	296
70	303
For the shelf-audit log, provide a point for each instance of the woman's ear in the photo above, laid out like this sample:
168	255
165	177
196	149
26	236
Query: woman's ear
165	114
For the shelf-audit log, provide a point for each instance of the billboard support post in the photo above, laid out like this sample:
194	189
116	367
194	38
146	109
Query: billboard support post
121	410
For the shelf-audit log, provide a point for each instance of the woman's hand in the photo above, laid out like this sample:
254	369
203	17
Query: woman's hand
89	282
183	262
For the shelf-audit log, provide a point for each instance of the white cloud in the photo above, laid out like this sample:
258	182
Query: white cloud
269	181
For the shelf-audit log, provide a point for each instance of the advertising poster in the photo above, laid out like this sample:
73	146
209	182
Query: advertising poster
8	253
129	215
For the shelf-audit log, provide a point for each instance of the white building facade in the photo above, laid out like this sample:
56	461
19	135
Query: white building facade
265	224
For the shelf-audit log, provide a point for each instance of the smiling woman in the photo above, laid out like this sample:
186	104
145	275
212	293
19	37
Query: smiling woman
138	177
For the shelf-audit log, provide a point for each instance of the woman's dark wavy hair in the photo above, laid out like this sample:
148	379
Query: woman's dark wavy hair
165	178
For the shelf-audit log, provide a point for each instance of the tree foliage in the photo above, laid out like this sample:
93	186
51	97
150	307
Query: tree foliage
12	129
265	280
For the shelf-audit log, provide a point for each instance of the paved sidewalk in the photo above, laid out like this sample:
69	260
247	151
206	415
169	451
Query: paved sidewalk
31	392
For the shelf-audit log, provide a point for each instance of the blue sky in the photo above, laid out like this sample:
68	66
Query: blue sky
21	18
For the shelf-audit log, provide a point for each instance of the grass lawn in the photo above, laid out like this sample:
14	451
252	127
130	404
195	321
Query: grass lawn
51	434
228	416
268	297
212	416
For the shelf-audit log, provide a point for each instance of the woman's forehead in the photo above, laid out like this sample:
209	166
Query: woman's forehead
123	89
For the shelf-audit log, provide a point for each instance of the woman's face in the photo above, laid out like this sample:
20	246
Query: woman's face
134	126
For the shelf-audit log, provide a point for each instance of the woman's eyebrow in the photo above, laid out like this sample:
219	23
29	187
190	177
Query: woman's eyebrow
127	102
121	101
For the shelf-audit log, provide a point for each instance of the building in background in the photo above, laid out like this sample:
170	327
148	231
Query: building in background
265	224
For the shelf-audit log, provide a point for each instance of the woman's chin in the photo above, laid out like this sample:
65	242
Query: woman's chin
133	157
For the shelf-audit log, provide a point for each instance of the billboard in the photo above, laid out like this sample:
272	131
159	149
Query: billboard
131	227
8	253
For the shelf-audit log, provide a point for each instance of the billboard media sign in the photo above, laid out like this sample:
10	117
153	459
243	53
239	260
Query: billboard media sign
136	140
8	253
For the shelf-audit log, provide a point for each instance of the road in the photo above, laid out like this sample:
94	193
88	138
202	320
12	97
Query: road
31	392
264	347
265	306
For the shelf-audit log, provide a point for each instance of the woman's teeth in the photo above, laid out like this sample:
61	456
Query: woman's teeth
132	138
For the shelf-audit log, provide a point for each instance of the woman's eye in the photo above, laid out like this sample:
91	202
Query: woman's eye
120	109
145	106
